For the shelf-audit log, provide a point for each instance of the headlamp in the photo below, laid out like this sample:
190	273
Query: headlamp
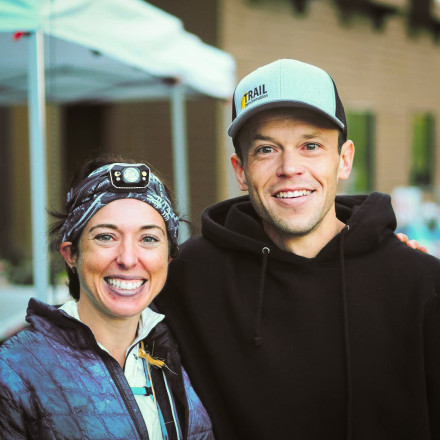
127	176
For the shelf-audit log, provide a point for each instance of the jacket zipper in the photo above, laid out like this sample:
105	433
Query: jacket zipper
109	363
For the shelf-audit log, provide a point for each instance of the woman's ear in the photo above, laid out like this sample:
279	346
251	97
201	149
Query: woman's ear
66	252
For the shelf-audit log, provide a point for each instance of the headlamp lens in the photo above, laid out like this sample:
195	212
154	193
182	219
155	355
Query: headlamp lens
131	175
125	177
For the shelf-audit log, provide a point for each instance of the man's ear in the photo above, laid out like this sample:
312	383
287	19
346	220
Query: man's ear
239	172
346	160
66	252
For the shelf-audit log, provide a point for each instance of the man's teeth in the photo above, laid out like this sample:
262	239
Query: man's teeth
126	285
292	194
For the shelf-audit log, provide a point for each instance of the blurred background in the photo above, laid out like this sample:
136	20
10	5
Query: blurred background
384	56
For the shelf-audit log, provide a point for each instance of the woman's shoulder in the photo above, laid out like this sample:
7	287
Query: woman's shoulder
19	341
24	344
18	356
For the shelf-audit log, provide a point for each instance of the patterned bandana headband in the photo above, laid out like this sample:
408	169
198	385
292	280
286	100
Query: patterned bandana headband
113	182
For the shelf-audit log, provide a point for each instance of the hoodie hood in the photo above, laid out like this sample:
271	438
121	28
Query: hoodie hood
235	225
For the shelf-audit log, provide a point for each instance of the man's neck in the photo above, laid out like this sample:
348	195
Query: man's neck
308	245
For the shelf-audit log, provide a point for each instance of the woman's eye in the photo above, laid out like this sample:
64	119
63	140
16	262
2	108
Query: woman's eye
104	237
150	239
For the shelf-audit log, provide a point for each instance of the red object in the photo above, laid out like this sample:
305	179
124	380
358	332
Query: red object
17	35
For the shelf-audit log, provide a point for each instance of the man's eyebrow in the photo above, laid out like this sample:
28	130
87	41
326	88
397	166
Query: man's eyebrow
314	135
262	137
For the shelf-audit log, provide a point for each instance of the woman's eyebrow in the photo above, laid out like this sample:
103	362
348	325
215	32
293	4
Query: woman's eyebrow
111	226
146	227
103	225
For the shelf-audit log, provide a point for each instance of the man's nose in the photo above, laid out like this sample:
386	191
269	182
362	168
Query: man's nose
290	164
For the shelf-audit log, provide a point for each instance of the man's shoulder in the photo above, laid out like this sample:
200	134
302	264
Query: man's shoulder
403	250
411	261
197	247
198	256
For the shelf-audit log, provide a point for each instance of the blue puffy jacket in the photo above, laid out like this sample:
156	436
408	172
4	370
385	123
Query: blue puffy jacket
57	383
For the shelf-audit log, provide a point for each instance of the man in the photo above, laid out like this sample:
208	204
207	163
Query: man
299	314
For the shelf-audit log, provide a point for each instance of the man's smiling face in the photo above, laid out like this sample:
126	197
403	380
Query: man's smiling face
290	167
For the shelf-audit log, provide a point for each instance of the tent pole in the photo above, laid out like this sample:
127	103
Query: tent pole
37	143
180	160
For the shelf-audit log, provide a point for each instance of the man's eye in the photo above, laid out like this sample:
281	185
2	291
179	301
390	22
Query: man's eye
265	149
311	147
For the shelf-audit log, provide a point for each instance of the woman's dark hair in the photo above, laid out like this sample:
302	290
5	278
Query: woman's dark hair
55	229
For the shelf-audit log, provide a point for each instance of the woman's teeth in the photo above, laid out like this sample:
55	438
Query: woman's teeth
124	285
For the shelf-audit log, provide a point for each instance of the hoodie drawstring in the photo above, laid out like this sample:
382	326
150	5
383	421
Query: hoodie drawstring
257	337
346	335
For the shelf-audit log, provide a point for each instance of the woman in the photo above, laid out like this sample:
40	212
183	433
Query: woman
103	365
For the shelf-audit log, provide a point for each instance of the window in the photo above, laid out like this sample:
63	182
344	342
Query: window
422	160
361	132
436	9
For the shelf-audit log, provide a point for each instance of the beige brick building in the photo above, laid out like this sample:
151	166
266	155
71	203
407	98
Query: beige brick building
385	72
384	56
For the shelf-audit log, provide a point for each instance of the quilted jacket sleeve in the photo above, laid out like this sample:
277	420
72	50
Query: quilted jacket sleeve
12	425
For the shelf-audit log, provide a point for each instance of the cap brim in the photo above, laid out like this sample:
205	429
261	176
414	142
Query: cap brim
241	119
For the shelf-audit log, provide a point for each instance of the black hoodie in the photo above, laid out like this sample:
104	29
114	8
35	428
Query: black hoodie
345	345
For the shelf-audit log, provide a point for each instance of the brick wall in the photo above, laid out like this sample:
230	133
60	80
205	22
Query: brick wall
384	71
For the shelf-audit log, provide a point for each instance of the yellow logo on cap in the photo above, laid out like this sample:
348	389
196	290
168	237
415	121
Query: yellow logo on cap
256	94
243	101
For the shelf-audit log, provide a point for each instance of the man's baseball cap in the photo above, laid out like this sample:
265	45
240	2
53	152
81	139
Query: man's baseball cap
286	83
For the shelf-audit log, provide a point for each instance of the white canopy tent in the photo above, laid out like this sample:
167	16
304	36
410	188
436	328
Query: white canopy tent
101	50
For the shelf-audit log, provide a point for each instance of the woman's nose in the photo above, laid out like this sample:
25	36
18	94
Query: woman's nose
127	255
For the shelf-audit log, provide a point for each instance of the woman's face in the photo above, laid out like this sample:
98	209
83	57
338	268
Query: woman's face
122	260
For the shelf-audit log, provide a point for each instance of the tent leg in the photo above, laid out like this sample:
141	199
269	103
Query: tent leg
37	142
180	160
